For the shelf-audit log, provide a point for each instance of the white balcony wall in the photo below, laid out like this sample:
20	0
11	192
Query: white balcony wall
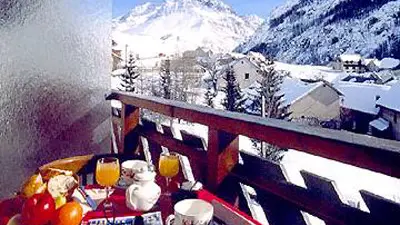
55	61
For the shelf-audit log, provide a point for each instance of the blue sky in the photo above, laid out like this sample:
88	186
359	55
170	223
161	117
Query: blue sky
243	7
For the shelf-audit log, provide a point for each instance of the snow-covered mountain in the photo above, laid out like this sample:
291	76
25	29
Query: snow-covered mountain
178	25
314	31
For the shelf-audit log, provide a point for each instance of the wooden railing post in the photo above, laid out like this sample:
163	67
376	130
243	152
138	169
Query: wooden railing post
222	156
130	116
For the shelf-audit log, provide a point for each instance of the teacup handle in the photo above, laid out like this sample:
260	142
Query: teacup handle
170	219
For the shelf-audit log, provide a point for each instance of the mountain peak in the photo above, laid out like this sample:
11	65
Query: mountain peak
212	4
178	25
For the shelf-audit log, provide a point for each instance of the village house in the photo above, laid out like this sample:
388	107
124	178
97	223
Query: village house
352	63
358	105
305	98
389	114
246	71
246	68
312	99
368	70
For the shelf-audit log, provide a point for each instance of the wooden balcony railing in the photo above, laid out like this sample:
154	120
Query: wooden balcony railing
217	165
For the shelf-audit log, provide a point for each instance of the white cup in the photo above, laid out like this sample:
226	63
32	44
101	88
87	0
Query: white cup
130	167
191	212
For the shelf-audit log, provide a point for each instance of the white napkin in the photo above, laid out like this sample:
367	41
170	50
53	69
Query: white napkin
97	194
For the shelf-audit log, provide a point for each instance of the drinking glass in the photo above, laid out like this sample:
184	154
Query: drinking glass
107	175
168	167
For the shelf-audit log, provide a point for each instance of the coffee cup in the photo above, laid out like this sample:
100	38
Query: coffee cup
191	212
130	167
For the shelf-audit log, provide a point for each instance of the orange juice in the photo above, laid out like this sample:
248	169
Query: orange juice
169	165
107	174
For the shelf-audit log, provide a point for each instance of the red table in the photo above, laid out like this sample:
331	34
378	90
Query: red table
165	205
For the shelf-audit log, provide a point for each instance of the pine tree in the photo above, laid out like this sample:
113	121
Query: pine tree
234	99
211	68
131	74
270	89
165	75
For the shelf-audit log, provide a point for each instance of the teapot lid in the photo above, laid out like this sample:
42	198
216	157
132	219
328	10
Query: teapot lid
145	176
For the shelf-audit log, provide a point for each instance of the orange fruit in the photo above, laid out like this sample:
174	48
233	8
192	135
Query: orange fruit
69	214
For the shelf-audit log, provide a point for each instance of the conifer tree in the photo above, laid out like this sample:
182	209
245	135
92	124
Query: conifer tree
129	77
165	75
270	90
234	99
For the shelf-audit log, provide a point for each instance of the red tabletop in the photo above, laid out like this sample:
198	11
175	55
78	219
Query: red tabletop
165	205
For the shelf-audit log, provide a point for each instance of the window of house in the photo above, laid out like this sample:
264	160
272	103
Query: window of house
246	76
242	62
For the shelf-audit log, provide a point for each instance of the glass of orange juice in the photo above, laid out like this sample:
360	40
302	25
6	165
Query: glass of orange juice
107	175
168	167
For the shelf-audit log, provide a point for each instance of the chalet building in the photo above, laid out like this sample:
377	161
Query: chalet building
307	100
321	102
389	113
352	63
358	105
246	71
246	68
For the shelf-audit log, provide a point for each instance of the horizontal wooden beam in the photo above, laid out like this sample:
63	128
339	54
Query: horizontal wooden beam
173	144
363	151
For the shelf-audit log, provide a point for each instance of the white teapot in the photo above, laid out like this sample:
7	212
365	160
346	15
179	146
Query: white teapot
143	194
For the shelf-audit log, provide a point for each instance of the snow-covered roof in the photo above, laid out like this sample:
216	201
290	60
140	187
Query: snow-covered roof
292	88
350	57
296	89
246	59
236	55
389	63
390	99
385	75
118	72
256	55
380	124
361	96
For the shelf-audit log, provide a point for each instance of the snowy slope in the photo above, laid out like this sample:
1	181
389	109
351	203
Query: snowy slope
315	31
178	25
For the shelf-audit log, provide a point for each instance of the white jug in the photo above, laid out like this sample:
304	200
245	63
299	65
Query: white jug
143	194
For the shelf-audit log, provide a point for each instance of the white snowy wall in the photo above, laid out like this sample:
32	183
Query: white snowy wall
240	68
54	72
